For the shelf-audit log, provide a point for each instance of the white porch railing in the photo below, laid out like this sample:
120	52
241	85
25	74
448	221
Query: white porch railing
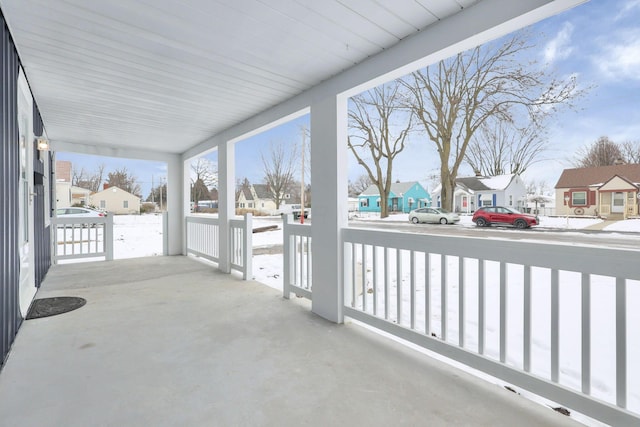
241	245
530	314
77	238
203	237
297	258
203	240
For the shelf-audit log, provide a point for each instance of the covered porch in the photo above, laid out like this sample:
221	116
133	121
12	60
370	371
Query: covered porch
172	341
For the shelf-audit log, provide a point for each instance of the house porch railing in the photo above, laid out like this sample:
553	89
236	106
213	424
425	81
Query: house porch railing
297	258
203	240
78	238
527	313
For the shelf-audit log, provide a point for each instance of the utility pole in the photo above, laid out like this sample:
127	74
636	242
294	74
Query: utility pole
304	136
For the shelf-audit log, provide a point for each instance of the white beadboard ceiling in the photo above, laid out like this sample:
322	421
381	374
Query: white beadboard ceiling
127	72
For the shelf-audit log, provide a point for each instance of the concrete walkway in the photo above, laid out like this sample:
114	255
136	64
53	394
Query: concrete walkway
601	225
168	341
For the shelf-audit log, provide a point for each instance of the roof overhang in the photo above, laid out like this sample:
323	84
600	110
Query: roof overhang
128	78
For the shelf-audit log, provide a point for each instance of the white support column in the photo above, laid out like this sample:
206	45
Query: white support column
329	182
174	241
226	201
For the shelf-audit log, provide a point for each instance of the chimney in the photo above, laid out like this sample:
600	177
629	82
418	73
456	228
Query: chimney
478	173
619	161
105	186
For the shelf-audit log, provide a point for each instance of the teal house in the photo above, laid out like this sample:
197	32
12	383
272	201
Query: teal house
403	197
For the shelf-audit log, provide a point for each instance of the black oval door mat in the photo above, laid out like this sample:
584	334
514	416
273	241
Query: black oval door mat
45	307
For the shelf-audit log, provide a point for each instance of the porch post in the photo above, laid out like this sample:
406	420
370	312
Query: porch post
173	240
329	207
226	202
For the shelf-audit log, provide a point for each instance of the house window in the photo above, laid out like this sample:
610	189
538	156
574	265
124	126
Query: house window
486	202
378	202
510	200
125	204
250	205
103	204
364	203
579	198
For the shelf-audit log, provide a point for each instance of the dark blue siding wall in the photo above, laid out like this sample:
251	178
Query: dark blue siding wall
42	237
10	318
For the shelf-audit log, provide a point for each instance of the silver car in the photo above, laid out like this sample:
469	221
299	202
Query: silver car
433	215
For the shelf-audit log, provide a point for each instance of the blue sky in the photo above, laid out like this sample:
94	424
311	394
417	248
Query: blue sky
598	41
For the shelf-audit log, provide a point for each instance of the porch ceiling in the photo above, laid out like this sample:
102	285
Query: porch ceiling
170	74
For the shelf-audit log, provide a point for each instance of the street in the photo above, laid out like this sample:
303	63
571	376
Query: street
601	239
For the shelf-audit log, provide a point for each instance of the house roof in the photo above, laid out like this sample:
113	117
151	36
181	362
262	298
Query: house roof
113	187
585	177
482	183
262	191
396	188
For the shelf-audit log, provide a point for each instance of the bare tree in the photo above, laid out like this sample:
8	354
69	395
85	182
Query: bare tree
502	148
124	180
359	185
603	152
455	97
88	180
378	127
204	177
279	165
631	151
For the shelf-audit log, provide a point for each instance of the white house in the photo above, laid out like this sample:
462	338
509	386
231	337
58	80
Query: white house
476	191
117	201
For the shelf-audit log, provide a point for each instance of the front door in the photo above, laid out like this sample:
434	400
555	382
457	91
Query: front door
617	202
25	221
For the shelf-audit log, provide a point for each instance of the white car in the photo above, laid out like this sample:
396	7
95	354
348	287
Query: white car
433	215
78	212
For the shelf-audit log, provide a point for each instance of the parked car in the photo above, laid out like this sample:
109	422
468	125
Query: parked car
500	215
78	212
433	215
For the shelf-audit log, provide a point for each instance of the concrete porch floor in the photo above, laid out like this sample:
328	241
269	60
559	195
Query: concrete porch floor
169	341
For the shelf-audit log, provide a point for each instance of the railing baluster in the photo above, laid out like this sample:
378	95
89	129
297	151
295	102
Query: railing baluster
481	306
427	294
621	342
503	312
374	254
526	321
399	286
412	285
443	297
308	285
386	283
461	316
586	333
364	277
300	248
555	324
353	275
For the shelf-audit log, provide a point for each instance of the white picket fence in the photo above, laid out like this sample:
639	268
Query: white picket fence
78	238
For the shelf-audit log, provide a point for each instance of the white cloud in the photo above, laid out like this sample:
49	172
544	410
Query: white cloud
620	58
559	47
626	8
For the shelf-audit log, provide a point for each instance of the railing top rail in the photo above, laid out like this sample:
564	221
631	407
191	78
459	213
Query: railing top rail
299	229
59	220
607	262
202	219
